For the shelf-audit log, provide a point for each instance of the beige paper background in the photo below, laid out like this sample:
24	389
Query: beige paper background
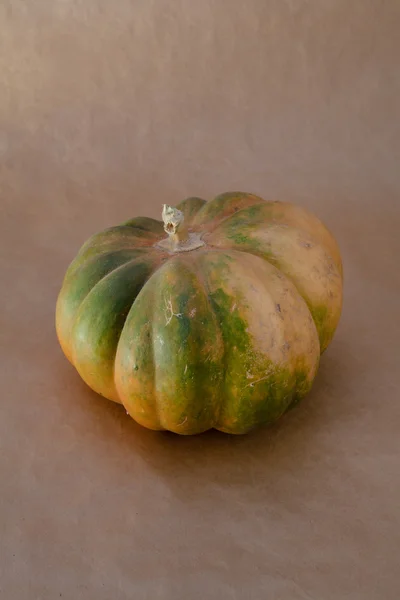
108	110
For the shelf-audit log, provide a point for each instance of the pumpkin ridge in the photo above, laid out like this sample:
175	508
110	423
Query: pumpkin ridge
143	291
141	230
229	196
83	317
318	311
190	207
134	239
300	299
234	328
75	267
193	269
143	223
146	281
225	219
288	360
75	271
176	375
147	331
109	274
276	221
121	228
198	272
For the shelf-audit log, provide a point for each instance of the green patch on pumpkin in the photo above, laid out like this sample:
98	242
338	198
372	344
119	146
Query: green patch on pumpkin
99	322
256	391
216	207
146	224
187	351
190	207
112	239
322	318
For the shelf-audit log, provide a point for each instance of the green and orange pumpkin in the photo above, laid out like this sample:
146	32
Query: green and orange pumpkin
215	317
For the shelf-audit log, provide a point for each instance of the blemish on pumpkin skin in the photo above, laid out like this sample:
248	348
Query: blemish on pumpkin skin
268	374
305	244
160	340
169	309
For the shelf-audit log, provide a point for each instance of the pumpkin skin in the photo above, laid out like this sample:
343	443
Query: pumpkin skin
227	335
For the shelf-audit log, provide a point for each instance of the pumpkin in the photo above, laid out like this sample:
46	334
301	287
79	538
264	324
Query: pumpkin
214	317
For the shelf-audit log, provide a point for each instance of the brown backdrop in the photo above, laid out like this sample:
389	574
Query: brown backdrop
107	110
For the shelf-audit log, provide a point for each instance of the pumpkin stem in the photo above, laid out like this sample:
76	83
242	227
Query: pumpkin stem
179	238
174	224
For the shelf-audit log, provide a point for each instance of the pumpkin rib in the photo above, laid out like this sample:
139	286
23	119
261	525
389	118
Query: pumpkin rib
70	280
206	287
290	286
190	329
151	226
318	295
218	425
156	408
177	335
118	237
151	342
82	261
139	231
290	218
225	219
190	207
318	313
103	346
213	209
123	358
76	268
292	372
